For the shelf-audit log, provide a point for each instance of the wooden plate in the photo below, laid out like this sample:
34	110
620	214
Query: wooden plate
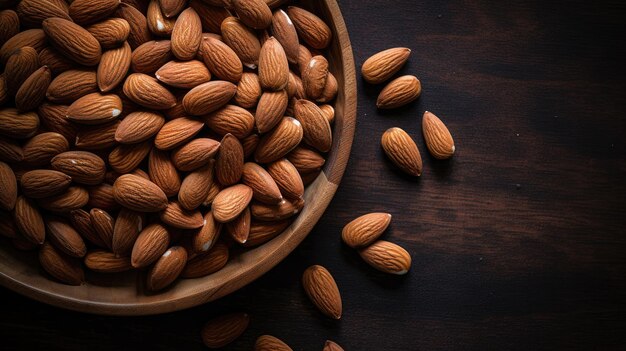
123	294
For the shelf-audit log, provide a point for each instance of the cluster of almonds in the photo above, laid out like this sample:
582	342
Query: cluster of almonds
133	133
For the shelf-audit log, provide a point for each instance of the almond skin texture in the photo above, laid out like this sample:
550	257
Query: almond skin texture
138	127
95	108
42	183
402	151
151	56
28	220
40	149
57	63
221	60
263	185
321	288
73	198
113	67
242	40
231	119
103	224
253	13
314	77
306	160
163	173
387	257
157	22
139	32
20	65
111	32
270	110
437	137
33	12
287	178
273	66
399	92
195	154
10	151
204	238
311	29
195	187
128	225
285	32
210	15
139	194
64	268
34	38
365	229
315	126
208	97
177	132
208	263
172	8
101	196
151	243
147	92
284	138
248	90
96	137
65	238
167	268
383	65
125	158
285	209
107	262
73	41
90	11
186	35
221	331
84	167
33	91
330	89
71	85
18	125
9	25
176	216
54	118
8	187
270	343
185	75
239	228
230	202
81	221
262	232
229	162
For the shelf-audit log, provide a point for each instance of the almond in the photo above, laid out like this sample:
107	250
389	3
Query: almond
28	220
332	346
285	209
399	92
95	108
229	162
10	151
221	331
231	202
248	90
139	194
383	65
185	75
270	343
242	40
138	127
65	238
97	137
8	187
33	12
57	63
315	126
273	66
262	232
314	77
72	85
172	8
151	243
167	268
284	138
64	268
211	16
125	158
330	89
73	41
208	263
81	221
147	92
41	148
113	67
221	60
365	229
84	167
306	160
437	137
42	183
157	22
107	262
139	32
9	25
103	224
33	91
18	125
90	11
101	196
204	238
262	184
253	13
329	112
285	32
128	225
186	35
208	97
54	118
195	187
195	154
72	199
287	178
176	132
321	288
295	88
176	216
231	119
163	172
249	144
387	257
239	228
151	56
311	29
20	65
402	151
33	38
304	57
111	32
270	110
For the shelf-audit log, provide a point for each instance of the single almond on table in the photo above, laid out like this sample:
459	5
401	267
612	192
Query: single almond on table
437	137
365	229
387	257
230	202
402	151
383	65
399	92
167	268
321	288
139	194
270	343
222	330
311	29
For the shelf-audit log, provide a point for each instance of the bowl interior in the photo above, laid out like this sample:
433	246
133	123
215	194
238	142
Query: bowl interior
124	294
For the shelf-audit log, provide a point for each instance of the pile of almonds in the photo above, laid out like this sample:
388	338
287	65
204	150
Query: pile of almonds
133	133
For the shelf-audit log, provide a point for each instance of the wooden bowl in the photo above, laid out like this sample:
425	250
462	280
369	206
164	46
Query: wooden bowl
124	294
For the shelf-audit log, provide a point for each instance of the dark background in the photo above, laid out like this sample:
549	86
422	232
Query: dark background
518	242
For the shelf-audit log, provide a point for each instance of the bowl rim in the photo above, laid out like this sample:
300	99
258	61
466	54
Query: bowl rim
250	265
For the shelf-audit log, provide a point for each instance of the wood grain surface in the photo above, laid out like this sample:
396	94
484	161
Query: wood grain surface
518	242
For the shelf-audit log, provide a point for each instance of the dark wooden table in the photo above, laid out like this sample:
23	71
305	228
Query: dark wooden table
518	242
